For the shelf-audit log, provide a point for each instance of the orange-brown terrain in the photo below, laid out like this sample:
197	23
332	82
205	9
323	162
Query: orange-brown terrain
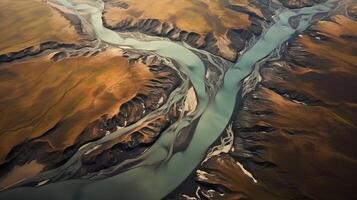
82	110
35	23
60	92
295	134
221	27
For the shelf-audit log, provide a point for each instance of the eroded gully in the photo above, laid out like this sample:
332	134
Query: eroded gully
161	169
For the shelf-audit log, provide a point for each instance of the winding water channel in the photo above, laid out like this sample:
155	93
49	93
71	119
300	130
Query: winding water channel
160	169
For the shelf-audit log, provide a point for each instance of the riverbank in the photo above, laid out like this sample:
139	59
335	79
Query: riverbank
294	132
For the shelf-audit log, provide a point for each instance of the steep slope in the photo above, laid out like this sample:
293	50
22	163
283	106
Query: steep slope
60	88
295	134
220	27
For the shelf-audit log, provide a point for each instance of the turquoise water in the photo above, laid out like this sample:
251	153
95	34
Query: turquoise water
158	171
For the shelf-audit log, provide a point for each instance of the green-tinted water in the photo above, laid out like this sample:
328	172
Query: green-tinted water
158	170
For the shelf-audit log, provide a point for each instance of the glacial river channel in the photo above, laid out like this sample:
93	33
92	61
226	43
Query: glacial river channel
159	170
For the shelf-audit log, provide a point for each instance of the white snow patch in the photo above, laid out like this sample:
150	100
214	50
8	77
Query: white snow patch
247	172
161	100
42	182
92	149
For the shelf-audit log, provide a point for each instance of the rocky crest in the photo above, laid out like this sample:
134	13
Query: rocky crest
153	96
294	135
236	38
300	3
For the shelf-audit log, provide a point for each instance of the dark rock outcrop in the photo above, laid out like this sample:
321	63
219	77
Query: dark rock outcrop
237	38
41	48
300	3
156	93
295	133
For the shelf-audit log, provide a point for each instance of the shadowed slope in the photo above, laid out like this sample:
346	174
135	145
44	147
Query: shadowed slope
296	133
